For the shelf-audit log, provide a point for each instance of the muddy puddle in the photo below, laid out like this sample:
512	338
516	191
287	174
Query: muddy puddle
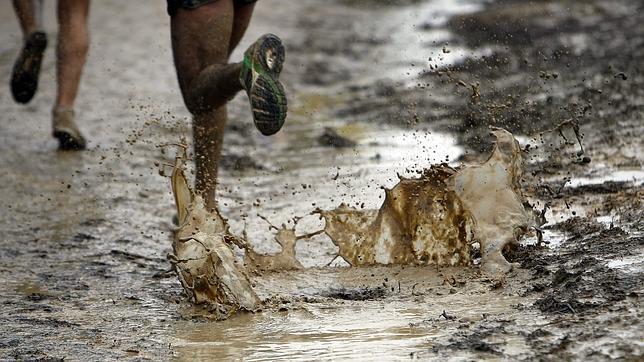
84	272
371	313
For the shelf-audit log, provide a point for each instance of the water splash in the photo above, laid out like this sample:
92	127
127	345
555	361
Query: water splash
203	256
422	221
433	219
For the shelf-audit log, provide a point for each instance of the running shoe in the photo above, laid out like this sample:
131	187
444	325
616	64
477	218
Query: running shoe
24	77
65	130
259	76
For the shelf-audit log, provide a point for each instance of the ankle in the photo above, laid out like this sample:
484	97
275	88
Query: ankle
60	104
60	110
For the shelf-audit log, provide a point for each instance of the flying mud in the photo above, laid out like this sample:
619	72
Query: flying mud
433	219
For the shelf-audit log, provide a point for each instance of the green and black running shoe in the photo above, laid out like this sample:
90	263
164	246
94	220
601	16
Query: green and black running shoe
259	76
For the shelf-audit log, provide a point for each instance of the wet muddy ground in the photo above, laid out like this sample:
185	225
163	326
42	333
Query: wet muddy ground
83	268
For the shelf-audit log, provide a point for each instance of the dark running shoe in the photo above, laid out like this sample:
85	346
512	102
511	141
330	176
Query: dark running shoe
65	130
24	77
259	76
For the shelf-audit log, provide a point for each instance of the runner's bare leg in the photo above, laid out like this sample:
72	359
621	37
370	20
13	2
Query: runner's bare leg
73	45
26	13
201	41
241	20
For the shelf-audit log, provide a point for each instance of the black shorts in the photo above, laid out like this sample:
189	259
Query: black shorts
174	5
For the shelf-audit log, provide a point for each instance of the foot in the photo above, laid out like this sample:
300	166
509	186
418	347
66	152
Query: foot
24	77
259	76
65	130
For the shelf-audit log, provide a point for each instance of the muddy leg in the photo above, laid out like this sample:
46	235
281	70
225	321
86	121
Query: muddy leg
200	42
208	132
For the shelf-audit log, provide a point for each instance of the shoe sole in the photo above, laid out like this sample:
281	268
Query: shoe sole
267	96
66	142
26	70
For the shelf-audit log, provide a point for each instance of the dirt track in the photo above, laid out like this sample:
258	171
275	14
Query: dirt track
83	273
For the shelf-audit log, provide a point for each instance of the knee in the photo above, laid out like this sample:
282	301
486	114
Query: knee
77	44
80	47
73	35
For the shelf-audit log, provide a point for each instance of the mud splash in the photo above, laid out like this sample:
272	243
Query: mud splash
421	221
433	219
203	257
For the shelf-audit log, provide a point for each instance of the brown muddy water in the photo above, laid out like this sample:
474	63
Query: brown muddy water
83	268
